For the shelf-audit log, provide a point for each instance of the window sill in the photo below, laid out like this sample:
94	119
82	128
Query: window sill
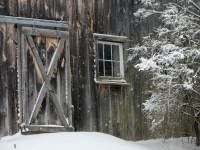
112	82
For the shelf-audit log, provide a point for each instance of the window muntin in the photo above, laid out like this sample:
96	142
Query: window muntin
110	60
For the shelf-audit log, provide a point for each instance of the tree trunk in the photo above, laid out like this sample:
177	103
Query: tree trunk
196	119
196	132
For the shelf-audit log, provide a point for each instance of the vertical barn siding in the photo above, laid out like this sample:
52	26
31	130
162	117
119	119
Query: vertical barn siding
113	109
8	104
116	103
4	125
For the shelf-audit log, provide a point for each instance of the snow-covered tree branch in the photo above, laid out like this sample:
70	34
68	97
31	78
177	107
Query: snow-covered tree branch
171	55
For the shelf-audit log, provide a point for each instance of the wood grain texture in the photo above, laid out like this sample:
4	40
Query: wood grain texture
45	32
46	79
4	124
11	67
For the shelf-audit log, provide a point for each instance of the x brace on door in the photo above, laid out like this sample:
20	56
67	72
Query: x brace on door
47	85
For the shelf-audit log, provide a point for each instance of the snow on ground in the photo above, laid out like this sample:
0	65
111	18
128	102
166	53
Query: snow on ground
89	141
67	141
170	144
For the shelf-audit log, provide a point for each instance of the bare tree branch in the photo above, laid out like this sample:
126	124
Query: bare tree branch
194	4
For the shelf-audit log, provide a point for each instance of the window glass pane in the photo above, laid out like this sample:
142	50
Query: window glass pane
108	68
101	70
107	52
116	69
100	50
115	52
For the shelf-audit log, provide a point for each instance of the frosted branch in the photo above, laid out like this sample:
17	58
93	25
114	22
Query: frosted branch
194	4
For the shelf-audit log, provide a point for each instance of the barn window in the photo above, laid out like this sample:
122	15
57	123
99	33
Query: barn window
109	61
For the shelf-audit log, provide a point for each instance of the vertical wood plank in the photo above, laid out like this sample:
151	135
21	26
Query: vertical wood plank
40	8
60	77
74	42
68	83
26	83
3	7
98	107
91	57
52	113
11	9
11	64
120	112
4	124
84	66
31	84
24	8
33	8
75	64
53	116
39	42
106	17
68	13
19	75
99	17
24	77
60	9
104	108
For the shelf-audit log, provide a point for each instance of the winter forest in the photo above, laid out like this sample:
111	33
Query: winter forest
171	57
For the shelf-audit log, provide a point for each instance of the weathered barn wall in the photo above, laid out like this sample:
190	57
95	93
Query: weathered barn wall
113	109
8	98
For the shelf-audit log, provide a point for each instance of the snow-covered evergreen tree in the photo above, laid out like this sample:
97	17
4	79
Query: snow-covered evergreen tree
171	54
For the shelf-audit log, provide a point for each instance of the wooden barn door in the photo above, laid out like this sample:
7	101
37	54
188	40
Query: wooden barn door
45	80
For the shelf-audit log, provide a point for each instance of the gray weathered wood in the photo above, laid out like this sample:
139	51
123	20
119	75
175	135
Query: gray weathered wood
96	56
68	83
4	125
57	105
39	62
52	114
45	32
49	129
19	74
55	57
32	22
113	38
31	83
43	89
11	65
38	103
24	77
112	83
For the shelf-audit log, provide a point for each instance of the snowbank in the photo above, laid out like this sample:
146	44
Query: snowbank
67	140
170	144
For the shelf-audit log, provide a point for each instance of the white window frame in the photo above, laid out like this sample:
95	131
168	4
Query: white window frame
112	40
120	60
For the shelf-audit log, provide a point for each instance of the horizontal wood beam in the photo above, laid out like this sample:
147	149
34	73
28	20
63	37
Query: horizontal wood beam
45	32
113	38
112	83
46	128
33	22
